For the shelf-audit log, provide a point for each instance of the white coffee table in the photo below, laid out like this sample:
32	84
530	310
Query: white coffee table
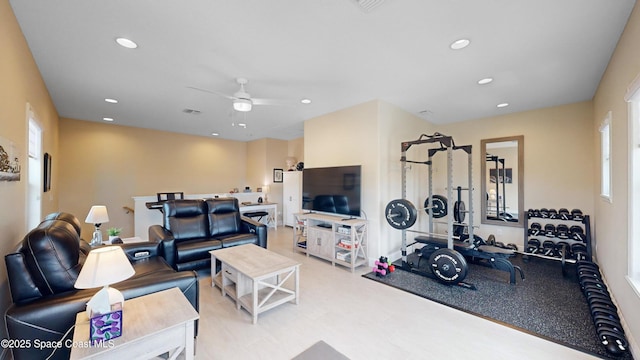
153	325
255	277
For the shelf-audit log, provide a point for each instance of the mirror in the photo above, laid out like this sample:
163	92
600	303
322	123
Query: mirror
502	169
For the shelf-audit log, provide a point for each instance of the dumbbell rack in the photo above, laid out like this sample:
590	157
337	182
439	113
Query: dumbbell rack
546	217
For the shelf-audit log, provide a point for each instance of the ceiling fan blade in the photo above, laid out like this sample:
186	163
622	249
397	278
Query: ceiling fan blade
272	102
212	92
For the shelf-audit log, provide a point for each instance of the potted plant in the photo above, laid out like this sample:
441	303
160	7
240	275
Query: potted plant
113	233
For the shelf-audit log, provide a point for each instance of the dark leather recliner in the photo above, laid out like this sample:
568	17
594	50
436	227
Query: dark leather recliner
193	227
42	273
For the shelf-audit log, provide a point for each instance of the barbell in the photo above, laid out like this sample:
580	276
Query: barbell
402	214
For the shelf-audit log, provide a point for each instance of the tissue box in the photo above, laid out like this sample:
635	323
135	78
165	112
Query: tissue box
105	327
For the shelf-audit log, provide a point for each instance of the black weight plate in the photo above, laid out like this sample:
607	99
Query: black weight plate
401	214
606	312
448	266
438	206
459	209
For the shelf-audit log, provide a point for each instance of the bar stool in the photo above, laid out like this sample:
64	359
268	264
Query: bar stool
256	214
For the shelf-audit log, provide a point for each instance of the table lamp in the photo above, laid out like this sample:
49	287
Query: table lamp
103	267
97	216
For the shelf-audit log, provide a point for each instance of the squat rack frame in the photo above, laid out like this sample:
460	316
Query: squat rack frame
499	161
447	145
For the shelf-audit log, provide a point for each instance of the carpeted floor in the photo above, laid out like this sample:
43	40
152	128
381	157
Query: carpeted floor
545	304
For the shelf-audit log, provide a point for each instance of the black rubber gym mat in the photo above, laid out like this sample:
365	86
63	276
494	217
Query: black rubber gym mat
546	304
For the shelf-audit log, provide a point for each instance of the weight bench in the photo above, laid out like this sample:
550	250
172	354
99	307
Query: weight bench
495	257
256	214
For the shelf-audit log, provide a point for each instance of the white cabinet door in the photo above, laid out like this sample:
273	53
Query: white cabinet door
291	196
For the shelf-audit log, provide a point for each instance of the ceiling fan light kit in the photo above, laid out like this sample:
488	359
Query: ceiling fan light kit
242	105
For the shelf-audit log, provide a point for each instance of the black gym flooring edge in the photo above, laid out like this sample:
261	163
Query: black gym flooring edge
546	304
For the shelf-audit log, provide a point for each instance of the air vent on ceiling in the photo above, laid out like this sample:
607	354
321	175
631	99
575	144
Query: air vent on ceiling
191	111
368	5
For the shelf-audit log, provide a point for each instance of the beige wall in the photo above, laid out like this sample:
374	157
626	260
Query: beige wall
558	162
296	149
611	230
369	135
107	164
263	156
21	84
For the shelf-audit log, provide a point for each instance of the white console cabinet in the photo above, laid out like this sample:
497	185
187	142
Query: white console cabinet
340	240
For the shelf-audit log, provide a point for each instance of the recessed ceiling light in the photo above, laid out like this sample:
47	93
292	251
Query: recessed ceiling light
111	101
107	119
485	81
459	44
306	101
124	42
215	134
502	105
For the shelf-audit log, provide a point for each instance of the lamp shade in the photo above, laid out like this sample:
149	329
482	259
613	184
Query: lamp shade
97	215
242	105
104	266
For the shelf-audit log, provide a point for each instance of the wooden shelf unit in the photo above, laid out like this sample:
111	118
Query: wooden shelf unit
341	240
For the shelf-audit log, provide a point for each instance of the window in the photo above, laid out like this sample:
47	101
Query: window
633	99
605	160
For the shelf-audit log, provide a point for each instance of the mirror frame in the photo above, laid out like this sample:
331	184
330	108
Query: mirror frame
483	181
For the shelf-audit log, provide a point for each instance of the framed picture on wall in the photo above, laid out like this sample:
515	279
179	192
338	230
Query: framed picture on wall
277	175
47	172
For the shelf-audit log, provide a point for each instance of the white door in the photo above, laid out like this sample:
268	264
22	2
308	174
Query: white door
34	188
292	195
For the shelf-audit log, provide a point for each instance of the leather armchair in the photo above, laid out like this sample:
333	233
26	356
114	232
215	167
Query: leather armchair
193	227
42	272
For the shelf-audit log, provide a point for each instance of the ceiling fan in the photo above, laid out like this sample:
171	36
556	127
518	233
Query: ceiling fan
242	101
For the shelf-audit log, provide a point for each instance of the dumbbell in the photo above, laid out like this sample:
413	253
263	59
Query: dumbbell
563	249
548	248
553	214
544	213
576	214
550	230
535	229
533	246
564	214
562	231
579	252
577	233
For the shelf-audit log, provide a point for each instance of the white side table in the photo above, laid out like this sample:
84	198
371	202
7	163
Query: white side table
153	325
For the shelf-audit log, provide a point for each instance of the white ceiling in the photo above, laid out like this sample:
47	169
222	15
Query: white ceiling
540	53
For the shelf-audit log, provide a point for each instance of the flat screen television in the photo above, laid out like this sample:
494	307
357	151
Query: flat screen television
333	190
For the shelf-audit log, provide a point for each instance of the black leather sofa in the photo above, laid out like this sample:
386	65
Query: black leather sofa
193	227
42	272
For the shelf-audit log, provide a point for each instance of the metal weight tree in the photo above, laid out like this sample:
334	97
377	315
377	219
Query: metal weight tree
446	144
